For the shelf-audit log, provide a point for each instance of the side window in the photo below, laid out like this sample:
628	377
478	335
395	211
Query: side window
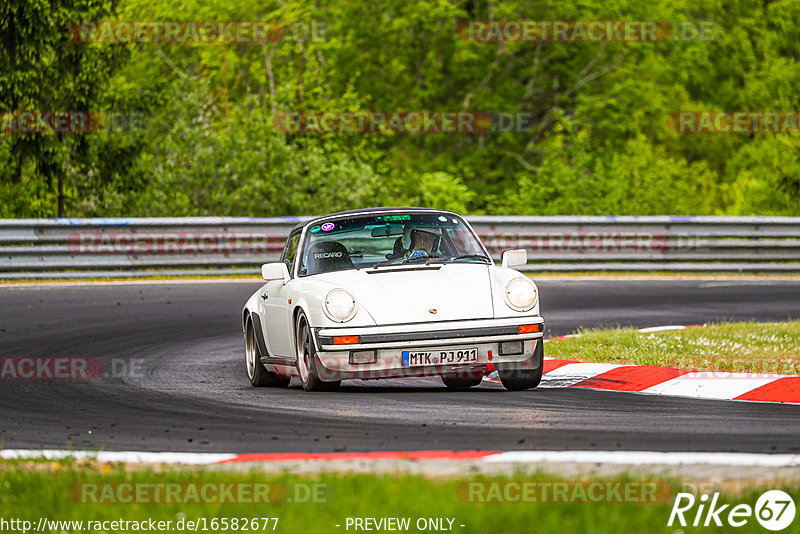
290	252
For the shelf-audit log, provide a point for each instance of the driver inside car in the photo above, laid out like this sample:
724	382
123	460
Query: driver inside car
424	241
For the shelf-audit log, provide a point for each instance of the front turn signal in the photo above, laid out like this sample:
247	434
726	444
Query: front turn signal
345	340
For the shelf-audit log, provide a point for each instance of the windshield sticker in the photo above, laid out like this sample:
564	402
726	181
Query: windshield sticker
314	229
321	255
455	221
442	218
327	227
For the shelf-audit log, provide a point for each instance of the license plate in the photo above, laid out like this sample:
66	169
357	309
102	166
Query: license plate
439	357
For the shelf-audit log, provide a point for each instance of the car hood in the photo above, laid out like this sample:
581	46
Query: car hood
414	294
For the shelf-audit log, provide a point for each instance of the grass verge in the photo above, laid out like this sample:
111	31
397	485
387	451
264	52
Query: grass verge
732	347
58	491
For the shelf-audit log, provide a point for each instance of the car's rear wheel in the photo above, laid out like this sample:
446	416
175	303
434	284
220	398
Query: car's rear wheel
256	372
461	382
523	375
307	362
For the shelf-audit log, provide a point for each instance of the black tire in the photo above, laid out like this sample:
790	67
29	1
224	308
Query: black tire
307	361
456	383
256	372
518	376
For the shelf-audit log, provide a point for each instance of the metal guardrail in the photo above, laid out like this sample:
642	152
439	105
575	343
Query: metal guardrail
79	248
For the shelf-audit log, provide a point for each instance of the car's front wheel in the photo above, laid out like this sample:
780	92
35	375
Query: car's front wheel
256	372
523	375
307	362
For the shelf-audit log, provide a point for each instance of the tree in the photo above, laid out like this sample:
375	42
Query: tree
43	70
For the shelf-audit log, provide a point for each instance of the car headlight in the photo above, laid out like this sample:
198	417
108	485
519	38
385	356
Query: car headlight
340	305
520	294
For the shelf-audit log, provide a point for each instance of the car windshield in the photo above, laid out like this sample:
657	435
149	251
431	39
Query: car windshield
368	241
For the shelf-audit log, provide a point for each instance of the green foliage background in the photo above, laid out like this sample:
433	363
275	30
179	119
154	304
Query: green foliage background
600	142
34	490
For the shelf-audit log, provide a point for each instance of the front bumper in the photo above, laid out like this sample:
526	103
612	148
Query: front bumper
389	342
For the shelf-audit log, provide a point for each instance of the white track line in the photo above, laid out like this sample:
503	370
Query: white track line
197	458
587	457
698	385
649	458
572	373
663	328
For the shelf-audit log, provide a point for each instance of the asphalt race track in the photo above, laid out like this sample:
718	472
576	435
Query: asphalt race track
182	386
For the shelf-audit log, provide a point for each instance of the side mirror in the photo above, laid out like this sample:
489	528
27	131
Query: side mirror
275	271
514	258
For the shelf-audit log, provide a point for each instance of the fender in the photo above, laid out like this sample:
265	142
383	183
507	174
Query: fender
266	357
303	305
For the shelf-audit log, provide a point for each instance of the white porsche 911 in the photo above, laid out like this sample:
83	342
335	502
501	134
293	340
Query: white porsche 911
392	293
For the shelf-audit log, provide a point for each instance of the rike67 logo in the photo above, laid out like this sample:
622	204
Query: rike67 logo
774	510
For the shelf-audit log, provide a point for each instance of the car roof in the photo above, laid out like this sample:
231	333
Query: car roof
365	211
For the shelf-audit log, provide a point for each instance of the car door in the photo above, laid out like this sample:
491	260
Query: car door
276	306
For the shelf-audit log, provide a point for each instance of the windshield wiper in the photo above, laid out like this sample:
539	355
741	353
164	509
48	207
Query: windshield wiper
472	257
426	258
400	261
387	262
